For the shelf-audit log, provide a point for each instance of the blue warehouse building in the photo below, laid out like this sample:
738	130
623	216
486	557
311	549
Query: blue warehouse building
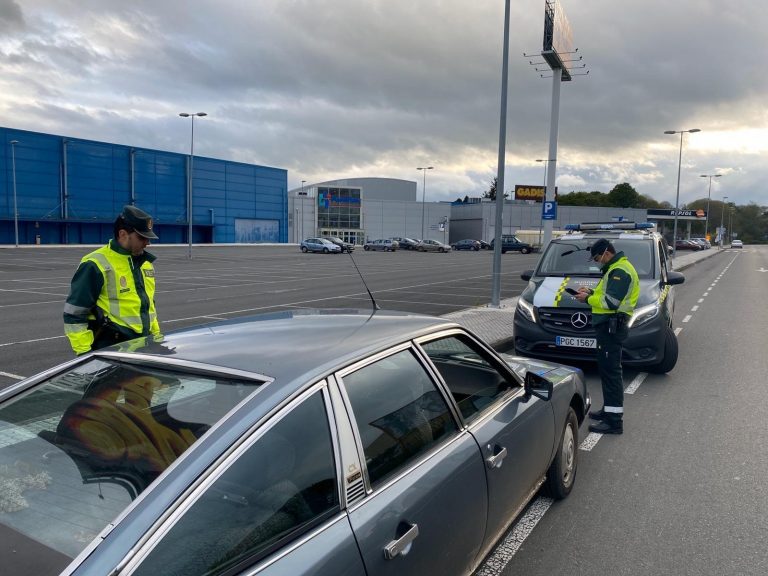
69	191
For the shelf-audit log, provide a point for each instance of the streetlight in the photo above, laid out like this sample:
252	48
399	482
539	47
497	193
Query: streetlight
424	195
15	207
722	214
709	194
302	207
189	176
677	198
730	223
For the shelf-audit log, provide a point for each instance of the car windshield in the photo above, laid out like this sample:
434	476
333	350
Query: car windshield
78	448
570	257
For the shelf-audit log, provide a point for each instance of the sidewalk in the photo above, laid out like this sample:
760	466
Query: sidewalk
495	325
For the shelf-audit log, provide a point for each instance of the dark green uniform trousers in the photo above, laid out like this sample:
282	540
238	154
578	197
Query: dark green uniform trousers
609	368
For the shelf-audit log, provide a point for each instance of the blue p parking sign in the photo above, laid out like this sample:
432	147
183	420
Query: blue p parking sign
549	210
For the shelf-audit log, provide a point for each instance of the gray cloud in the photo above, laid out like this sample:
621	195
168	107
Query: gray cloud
334	88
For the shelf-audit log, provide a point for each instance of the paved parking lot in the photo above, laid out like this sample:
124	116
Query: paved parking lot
223	282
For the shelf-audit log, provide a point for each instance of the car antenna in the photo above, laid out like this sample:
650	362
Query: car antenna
373	300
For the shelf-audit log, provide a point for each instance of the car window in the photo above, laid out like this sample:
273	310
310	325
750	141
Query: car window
472	377
400	414
78	448
282	486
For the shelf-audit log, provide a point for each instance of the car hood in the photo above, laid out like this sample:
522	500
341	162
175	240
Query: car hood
549	291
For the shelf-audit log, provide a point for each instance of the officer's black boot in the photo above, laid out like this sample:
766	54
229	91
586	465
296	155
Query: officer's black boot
611	424
598	415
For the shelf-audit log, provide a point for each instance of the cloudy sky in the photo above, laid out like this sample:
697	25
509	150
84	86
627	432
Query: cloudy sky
345	88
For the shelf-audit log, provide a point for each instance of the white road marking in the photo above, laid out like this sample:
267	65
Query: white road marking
635	384
686	319
677	331
504	552
705	294
31	341
590	441
15	376
694	309
701	300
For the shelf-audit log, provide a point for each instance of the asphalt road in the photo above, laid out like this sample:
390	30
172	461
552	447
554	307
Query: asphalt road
683	490
223	282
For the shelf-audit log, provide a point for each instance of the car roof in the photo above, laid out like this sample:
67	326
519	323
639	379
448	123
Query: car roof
294	345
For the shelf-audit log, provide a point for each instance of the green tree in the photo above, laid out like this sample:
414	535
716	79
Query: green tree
593	198
491	192
624	196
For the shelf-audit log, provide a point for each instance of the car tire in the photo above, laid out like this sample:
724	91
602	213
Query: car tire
670	353
304	249
562	472
525	250
442	250
325	250
503	251
476	249
366	248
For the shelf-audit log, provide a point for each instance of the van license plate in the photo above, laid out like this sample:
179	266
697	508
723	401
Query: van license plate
574	342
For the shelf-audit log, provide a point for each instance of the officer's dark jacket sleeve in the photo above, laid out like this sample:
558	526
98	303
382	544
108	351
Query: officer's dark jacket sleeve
616	287
84	291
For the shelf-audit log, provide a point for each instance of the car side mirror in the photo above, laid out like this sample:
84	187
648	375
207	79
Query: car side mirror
526	275
674	278
538	386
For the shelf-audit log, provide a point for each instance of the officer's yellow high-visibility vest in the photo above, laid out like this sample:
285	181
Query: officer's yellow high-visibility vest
628	303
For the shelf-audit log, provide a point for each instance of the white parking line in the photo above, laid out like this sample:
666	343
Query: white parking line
701	300
678	330
694	309
635	384
504	552
14	376
686	319
590	441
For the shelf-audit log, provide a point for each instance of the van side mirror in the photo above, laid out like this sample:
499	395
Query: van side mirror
526	275
538	386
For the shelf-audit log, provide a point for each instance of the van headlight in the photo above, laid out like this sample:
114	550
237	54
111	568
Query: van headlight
526	310
643	315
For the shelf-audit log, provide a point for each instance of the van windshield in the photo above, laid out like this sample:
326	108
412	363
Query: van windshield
567	257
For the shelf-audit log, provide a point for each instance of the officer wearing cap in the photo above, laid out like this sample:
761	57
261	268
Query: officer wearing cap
613	300
112	296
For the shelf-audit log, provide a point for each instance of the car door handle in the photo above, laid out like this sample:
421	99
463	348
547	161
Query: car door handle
402	545
496	460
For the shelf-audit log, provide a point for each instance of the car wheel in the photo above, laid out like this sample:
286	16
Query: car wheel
670	353
365	248
442	249
476	249
503	251
325	250
562	471
304	249
525	250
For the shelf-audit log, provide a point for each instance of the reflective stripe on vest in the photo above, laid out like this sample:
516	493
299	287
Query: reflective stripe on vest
627	305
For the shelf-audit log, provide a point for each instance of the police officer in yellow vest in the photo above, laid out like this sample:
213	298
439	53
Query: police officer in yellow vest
613	300
112	297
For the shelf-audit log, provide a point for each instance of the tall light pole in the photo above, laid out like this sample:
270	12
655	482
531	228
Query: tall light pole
709	195
189	176
730	223
424	195
302	208
722	214
677	198
15	207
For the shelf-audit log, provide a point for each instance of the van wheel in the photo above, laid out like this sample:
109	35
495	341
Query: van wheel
562	472
525	250
670	354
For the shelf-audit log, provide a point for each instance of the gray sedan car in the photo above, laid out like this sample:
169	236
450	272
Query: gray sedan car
393	443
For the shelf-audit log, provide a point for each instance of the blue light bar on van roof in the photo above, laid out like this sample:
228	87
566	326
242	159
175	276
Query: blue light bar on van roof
610	226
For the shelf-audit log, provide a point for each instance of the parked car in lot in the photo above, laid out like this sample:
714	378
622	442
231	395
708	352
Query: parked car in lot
703	242
345	246
406	243
510	243
467	244
737	244
385	244
319	245
432	246
688	245
550	323
219	450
